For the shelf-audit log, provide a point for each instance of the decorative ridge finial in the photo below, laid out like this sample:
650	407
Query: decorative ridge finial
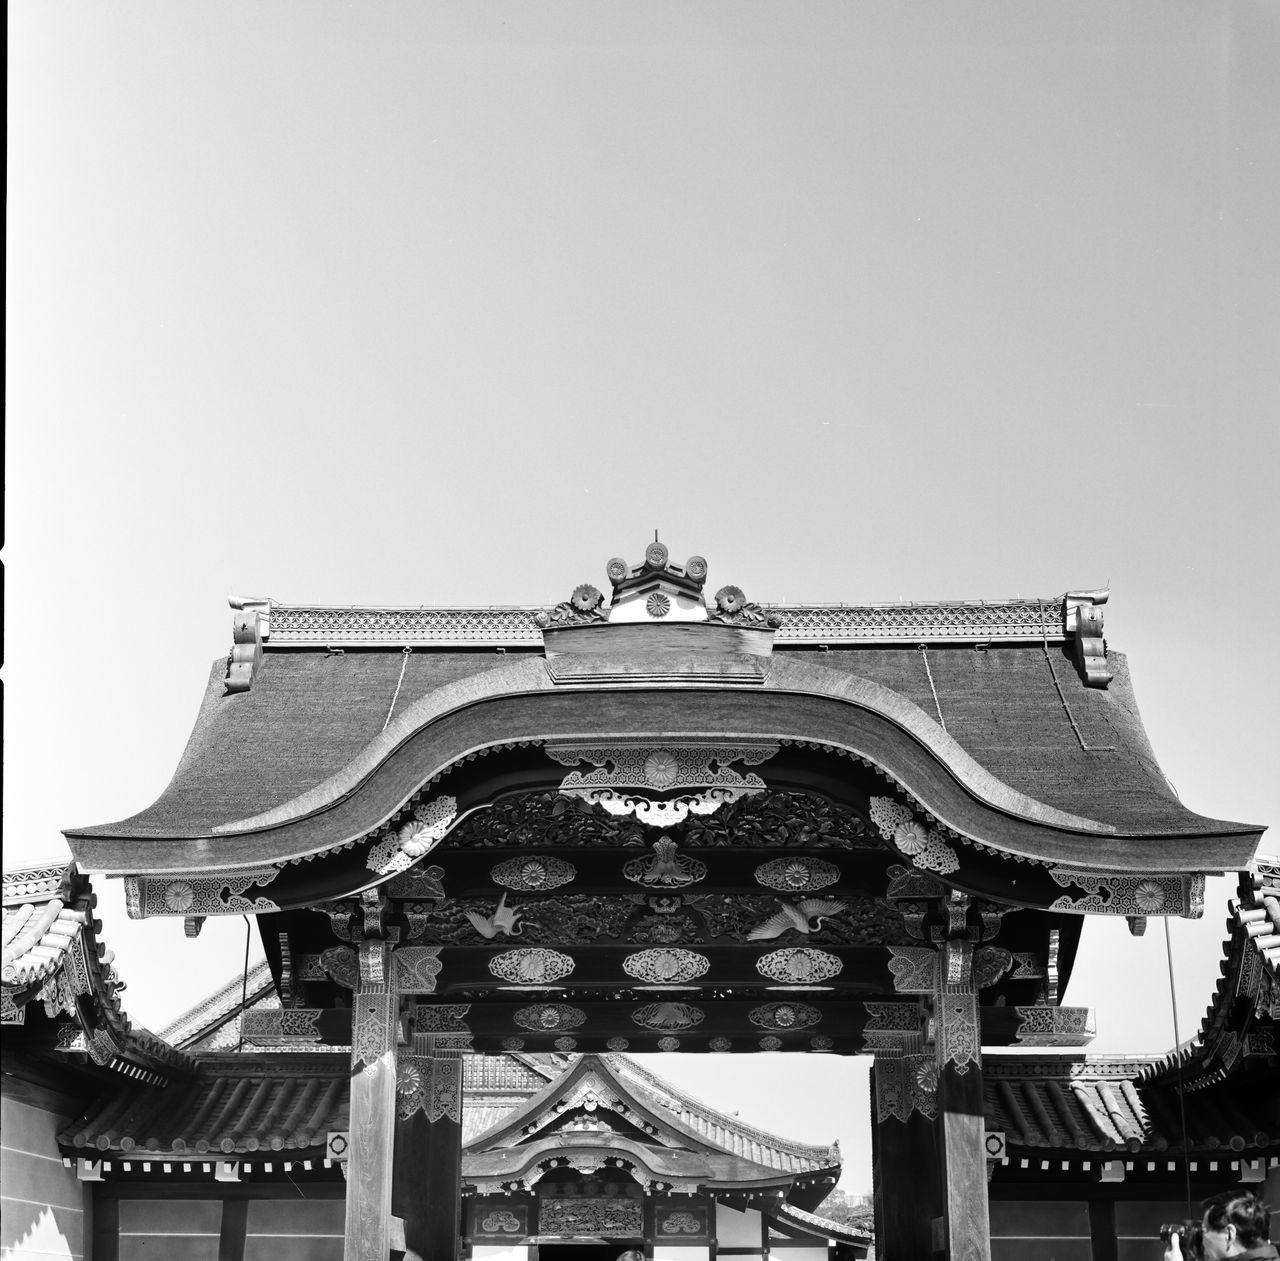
657	589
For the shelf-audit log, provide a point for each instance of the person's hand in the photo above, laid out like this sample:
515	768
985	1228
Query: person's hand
1173	1249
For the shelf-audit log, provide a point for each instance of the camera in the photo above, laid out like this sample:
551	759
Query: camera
1191	1237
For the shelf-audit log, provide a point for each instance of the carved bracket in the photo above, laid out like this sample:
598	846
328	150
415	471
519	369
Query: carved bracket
914	969
906	1084
1054	1026
431	1084
289	1026
190	896
1117	893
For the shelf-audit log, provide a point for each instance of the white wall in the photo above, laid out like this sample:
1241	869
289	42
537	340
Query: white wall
737	1230
499	1252
42	1204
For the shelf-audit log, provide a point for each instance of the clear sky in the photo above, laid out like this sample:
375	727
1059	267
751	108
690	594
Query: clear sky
449	303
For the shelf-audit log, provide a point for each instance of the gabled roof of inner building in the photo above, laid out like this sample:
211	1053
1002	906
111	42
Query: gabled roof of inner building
680	1121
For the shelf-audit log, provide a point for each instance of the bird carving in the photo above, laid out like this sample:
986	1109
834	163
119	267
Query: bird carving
502	921
805	917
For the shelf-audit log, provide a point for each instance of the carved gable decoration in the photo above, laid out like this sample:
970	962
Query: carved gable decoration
623	777
499	1220
616	1217
682	1221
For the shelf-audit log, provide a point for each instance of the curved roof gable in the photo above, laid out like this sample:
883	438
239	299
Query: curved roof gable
1010	720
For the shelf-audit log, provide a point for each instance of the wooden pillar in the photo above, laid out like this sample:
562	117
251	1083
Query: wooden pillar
961	1121
427	1185
374	1025
904	1155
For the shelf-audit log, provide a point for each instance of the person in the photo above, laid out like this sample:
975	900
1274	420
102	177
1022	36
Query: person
1236	1225
632	1254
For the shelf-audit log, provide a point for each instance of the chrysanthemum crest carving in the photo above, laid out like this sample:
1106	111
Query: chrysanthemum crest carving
531	875
531	965
666	967
797	875
924	846
399	850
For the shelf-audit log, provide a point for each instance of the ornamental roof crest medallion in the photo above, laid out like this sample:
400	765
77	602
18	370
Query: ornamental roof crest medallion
620	778
656	590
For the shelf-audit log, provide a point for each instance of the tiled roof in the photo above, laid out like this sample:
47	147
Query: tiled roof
1240	1023
1091	1105
254	1103
52	956
704	1145
1258	912
199	1022
1059	1102
35	940
721	1130
822	1225
311	715
242	1106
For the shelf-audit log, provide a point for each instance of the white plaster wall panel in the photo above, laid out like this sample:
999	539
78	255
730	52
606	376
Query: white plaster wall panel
499	1252
42	1208
735	1229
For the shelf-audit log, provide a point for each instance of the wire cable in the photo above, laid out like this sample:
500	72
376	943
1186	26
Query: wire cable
396	695
244	982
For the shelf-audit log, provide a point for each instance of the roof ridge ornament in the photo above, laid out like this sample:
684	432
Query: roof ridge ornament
250	626
656	589
1082	618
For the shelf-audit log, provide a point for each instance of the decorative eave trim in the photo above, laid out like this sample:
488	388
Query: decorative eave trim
514	626
34	884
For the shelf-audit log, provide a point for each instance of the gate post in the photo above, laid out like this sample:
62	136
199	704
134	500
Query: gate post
961	1124
904	1153
374	1026
427	1185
